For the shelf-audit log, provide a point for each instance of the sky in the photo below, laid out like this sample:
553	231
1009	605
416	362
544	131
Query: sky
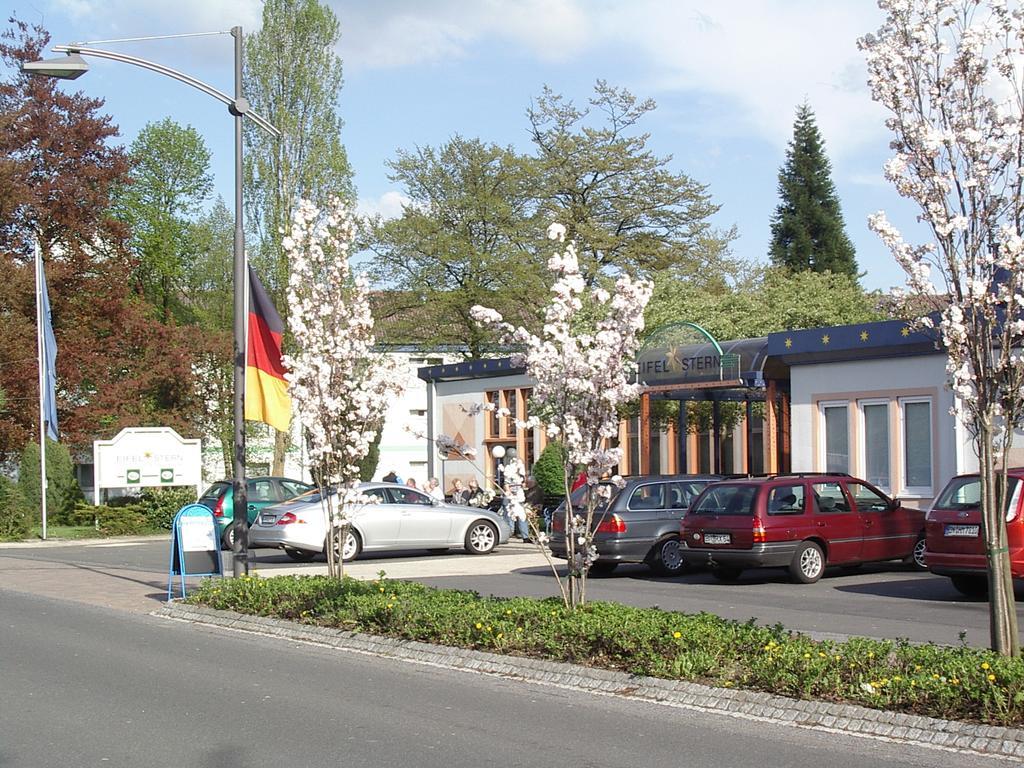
727	78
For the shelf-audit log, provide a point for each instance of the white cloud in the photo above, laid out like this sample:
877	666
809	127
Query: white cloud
389	205
402	33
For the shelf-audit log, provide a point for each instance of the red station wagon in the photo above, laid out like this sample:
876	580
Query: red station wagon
953	525
800	522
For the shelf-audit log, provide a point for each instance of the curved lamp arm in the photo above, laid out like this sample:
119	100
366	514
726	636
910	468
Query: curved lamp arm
240	107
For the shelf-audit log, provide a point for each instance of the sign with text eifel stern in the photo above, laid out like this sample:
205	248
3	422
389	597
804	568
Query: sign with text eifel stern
141	457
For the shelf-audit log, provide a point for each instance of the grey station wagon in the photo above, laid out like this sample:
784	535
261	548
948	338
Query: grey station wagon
639	523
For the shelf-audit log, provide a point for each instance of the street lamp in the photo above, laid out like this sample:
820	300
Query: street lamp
72	66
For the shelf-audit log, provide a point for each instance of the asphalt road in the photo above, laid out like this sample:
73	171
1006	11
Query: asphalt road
88	686
887	601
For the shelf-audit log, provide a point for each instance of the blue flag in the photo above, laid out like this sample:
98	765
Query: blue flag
48	359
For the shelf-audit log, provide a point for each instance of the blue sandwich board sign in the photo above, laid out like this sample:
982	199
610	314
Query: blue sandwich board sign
195	546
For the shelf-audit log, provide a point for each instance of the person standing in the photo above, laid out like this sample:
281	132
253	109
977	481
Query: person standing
433	487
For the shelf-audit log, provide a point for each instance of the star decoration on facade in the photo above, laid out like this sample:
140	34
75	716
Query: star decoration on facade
826	339
905	331
789	343
863	335
672	357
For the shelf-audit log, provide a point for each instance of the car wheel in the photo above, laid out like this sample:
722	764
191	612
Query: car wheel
228	537
726	573
602	567
351	546
299	555
918	555
667	558
970	586
808	563
481	538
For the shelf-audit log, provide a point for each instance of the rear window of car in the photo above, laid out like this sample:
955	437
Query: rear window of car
292	488
726	500
965	493
684	493
579	498
215	491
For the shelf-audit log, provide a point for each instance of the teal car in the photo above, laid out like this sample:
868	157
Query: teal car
260	492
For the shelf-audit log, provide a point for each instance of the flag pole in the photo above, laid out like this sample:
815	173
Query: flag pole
42	381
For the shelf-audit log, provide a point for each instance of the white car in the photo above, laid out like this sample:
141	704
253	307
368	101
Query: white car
402	518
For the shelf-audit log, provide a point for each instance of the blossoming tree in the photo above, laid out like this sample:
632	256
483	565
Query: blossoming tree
339	386
949	74
583	365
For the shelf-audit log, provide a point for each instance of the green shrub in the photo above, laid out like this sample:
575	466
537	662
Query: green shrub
121	521
949	682
159	505
62	491
83	514
14	512
549	470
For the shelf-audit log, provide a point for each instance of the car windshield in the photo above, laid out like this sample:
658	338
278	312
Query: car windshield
725	500
965	493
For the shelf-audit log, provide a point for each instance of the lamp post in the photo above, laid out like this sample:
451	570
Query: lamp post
71	66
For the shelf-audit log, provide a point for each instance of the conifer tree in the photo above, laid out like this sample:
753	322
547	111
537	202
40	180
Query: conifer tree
807	228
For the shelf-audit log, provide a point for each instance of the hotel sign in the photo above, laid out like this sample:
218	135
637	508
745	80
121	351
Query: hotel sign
684	355
140	457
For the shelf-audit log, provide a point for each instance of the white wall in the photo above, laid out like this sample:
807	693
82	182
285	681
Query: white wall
888	378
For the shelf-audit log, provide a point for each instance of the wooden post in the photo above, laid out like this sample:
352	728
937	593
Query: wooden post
645	433
683	436
771	429
716	437
748	452
784	423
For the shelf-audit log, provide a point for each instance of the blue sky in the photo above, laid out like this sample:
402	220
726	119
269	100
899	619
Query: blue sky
727	77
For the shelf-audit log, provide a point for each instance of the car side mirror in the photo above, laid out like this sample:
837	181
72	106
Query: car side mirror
894	503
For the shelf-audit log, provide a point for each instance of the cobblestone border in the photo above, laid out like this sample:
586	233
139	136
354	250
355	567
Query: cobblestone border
993	741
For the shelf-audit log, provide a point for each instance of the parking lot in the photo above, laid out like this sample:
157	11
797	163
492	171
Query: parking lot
887	601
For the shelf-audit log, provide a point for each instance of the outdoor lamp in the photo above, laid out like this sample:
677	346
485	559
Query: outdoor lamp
498	452
68	67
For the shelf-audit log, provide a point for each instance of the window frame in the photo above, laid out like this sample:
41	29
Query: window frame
922	491
823	432
862	447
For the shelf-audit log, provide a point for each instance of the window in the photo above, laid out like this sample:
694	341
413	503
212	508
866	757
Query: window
786	500
876	443
650	496
837	436
409	496
491	418
294	489
917	445
726	500
260	490
830	497
867	499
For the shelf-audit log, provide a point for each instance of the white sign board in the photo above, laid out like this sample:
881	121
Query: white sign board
144	457
198	534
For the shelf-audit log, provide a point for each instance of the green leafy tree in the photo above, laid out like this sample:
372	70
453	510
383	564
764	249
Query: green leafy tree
292	78
619	201
169	180
808	232
62	491
464	239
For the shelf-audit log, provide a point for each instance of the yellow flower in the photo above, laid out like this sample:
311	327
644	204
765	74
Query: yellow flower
519	629
917	668
488	629
821	655
985	665
897	678
839	658
500	635
935	677
677	635
479	625
871	655
382	589
954	681
728	683
508	612
807	655
991	678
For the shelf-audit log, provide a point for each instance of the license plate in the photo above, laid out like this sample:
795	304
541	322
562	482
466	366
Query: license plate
267	519
717	538
969	531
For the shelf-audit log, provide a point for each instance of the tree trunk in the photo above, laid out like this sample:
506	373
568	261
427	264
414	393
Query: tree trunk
280	448
1002	610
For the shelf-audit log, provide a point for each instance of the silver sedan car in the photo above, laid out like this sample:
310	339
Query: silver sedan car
401	518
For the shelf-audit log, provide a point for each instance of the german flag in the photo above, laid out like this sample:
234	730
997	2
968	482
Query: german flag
266	391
